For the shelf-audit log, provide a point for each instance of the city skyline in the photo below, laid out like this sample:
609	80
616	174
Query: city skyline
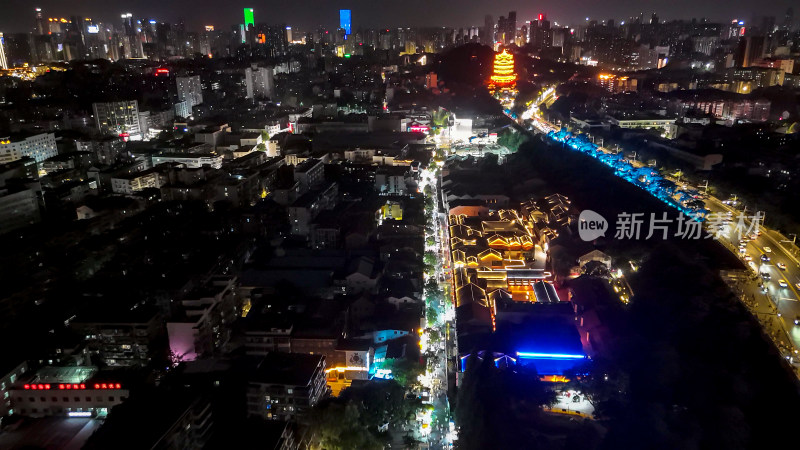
19	15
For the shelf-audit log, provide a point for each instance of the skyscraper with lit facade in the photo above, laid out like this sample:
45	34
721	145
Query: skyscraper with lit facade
190	90
3	60
118	119
39	22
249	18
345	20
259	82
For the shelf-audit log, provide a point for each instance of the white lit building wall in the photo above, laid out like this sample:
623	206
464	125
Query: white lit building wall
38	146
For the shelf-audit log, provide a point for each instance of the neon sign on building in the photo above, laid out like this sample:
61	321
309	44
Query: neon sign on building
70	386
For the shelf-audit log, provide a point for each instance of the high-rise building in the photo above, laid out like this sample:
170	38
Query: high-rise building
190	90
260	82
249	18
749	50
345	20
127	24
40	25
488	30
38	146
541	36
289	34
18	48
511	27
118	119
3	59
705	44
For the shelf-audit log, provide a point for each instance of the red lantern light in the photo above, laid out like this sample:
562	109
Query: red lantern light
74	386
47	386
27	386
118	386
97	386
104	386
61	386
83	386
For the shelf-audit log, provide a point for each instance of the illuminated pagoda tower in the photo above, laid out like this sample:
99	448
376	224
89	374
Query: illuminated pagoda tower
503	75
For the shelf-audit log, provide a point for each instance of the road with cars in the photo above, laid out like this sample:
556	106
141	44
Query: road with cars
772	260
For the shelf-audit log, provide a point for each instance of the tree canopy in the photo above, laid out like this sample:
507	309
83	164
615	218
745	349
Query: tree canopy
352	420
496	406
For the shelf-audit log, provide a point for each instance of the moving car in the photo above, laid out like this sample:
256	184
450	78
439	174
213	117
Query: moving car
783	284
765	258
765	276
781	266
767	250
748	258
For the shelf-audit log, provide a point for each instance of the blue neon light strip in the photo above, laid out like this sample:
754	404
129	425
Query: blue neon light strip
643	177
549	355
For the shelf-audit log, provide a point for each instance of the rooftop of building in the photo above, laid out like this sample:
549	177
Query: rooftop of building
169	154
638	115
290	369
306	278
142	420
20	136
69	156
306	200
116	315
63	374
306	165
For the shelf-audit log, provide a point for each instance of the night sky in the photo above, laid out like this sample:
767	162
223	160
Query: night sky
17	15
